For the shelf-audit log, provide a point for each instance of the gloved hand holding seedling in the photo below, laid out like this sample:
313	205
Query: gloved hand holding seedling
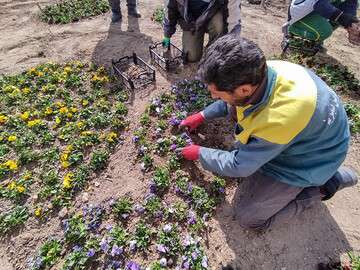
193	121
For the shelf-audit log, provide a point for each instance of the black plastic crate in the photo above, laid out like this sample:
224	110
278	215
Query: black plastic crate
133	72
167	59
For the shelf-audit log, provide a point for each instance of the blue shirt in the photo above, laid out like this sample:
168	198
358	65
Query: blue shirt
298	133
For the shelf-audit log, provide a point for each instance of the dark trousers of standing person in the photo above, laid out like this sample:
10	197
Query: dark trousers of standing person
116	10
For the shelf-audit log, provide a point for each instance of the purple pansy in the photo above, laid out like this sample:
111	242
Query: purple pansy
132	245
163	262
91	252
132	266
139	209
204	262
167	228
116	250
104	245
135	139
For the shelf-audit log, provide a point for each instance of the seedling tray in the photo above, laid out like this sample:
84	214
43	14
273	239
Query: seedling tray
133	72
166	59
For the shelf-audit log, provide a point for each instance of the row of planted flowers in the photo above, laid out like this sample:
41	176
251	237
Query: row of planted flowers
165	229
58	125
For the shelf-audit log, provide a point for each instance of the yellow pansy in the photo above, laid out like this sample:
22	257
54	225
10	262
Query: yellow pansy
64	110
65	164
69	115
64	156
26	90
11	89
25	115
111	137
87	133
59	104
74	110
11	185
40	74
12	138
3	119
85	102
27	176
20	189
57	120
67	69
48	111
32	71
11	165
68	178
95	78
35	122
38	212
69	148
80	124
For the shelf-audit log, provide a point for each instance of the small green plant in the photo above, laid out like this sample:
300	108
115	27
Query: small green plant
99	159
162	124
48	255
218	186
17	216
158	15
173	162
76	260
161	179
145	120
142	236
168	237
182	183
153	206
147	162
355	261
121	108
162	146
119	236
69	11
123	207
353	112
201	199
75	229
156	266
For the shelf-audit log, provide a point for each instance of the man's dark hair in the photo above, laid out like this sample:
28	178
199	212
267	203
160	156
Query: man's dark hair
232	61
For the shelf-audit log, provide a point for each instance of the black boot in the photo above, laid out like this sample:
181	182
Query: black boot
132	9
116	16
344	177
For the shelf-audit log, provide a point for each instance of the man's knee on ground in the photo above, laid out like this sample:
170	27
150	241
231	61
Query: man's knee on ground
248	220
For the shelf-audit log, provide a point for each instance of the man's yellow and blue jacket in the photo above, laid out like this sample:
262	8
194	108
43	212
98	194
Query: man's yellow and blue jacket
298	133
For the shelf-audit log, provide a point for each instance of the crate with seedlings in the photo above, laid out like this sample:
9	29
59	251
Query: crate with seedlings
167	58
133	72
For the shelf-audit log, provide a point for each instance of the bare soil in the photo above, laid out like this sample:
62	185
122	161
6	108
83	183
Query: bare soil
322	234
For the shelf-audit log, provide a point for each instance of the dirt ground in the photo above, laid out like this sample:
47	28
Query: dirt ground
324	233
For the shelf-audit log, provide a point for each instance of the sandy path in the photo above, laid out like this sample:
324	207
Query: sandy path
320	235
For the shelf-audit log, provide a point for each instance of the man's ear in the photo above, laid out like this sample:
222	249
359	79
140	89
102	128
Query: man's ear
245	90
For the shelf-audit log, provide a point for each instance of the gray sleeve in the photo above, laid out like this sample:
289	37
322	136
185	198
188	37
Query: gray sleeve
234	17
170	18
242	162
215	110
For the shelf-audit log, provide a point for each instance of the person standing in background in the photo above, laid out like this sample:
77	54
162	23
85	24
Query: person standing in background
116	10
197	17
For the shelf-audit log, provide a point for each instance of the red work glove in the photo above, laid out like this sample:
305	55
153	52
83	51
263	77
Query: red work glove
193	121
191	152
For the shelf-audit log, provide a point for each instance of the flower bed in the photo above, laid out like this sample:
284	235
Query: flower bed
59	124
